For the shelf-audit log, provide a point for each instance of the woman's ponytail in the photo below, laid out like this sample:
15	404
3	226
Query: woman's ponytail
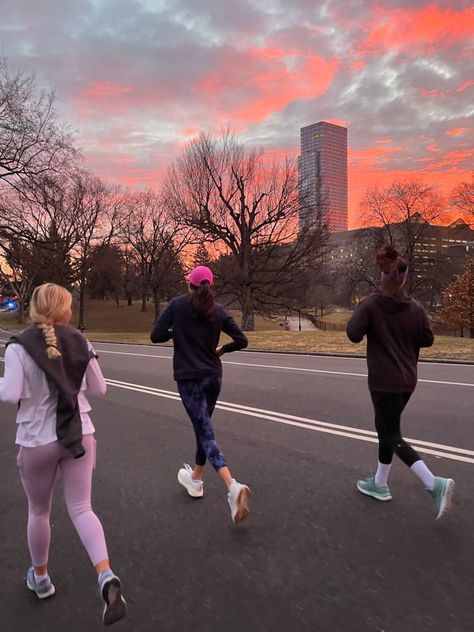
49	334
202	297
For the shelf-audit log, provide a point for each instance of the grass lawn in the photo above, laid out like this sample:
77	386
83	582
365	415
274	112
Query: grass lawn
339	316
106	322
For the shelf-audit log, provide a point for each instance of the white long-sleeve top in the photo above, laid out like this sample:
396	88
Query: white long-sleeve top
25	383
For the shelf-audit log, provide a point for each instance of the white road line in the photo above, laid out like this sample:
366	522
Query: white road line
287	368
323	356
449	452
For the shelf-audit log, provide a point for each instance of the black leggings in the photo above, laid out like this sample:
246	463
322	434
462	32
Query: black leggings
388	409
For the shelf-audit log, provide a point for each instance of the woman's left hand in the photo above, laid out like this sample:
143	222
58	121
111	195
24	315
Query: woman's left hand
220	351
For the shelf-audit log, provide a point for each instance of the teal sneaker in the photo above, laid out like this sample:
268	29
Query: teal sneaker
442	494
370	488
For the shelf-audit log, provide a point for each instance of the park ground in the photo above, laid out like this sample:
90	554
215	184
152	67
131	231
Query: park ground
107	322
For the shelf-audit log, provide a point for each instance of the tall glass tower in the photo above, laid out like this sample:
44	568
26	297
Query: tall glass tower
322	169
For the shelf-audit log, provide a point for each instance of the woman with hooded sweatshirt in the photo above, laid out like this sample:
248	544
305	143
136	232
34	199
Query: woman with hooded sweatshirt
396	327
194	321
48	368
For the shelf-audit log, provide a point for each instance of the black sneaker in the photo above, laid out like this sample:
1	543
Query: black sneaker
115	607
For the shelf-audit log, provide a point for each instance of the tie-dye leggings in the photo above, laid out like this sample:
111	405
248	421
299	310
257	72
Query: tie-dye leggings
199	398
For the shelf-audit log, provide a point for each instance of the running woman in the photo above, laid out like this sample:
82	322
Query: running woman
194	321
396	327
47	369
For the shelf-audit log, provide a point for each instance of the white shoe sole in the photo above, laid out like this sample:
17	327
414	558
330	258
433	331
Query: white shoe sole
50	592
243	508
191	491
447	500
367	493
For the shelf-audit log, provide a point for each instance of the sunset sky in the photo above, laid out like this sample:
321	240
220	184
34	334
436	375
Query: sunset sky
139	78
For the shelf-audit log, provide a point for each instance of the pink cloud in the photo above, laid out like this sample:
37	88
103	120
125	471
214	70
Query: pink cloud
373	155
430	28
249	86
190	131
459	131
100	90
463	86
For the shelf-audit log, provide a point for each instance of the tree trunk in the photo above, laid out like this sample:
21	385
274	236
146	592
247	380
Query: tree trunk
82	304
20	319
129	300
248	320
143	307
156	302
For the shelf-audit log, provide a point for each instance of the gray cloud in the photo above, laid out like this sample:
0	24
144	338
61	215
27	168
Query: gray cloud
138	77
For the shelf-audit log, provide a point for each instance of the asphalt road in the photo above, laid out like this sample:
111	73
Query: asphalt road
314	554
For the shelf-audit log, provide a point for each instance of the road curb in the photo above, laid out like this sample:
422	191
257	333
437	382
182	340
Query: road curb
298	353
324	354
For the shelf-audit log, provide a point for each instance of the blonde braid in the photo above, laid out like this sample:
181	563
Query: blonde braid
49	334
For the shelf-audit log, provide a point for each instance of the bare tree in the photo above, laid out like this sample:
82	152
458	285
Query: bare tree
247	205
33	142
104	278
157	240
64	219
130	272
462	198
404	210
33	239
96	211
38	213
17	267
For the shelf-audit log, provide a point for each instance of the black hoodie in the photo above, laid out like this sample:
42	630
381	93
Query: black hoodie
396	327
196	337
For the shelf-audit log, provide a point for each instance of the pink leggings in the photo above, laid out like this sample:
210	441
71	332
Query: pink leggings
38	468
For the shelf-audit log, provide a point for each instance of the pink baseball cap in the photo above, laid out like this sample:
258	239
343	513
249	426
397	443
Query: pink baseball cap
199	274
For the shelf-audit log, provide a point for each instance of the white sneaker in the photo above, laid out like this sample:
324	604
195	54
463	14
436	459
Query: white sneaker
238	498
185	478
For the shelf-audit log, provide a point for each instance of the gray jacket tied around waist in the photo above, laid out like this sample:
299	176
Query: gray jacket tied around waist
65	374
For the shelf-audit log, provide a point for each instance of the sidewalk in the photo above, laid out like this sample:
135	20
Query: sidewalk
294	324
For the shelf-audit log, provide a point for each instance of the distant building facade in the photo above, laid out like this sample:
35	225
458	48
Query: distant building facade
323	176
438	254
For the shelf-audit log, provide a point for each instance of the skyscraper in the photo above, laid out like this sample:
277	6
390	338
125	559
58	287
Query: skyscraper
322	169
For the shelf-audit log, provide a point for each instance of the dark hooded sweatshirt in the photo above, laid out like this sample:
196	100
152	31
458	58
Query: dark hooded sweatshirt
65	374
195	337
396	328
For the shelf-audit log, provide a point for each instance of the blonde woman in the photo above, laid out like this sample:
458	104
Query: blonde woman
47	369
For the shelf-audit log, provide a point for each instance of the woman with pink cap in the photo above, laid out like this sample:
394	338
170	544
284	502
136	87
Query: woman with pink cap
194	321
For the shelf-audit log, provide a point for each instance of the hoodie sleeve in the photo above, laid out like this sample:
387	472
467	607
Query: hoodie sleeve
163	328
231	328
358	324
426	337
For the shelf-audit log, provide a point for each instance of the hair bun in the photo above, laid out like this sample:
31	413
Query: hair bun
387	256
